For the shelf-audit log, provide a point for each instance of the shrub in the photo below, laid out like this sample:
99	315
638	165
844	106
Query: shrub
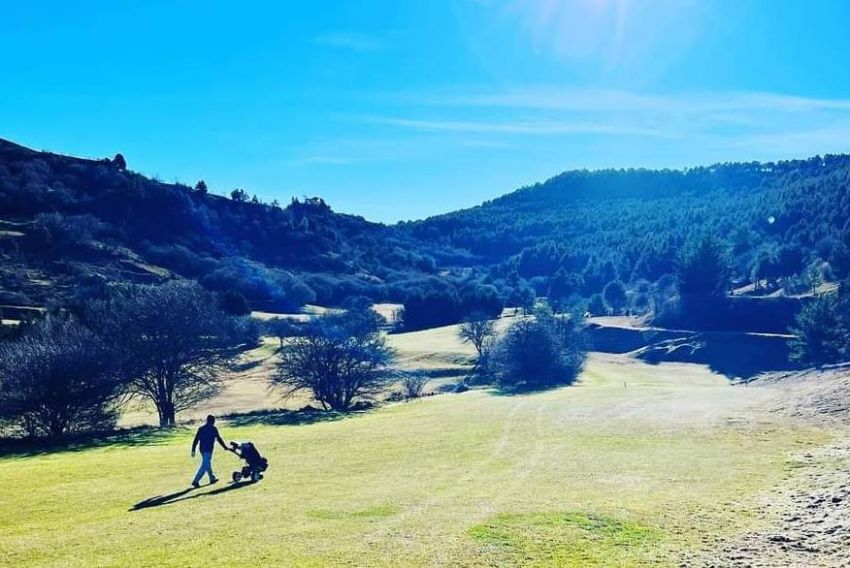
431	309
58	379
262	287
481	299
615	297
596	306
438	307
233	303
357	303
241	331
281	328
56	234
459	387
539	352
181	260
413	383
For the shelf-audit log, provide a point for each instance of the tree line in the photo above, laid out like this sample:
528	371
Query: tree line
172	345
612	240
780	227
72	372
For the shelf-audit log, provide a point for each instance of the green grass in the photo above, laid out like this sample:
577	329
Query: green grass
376	512
631	467
566	539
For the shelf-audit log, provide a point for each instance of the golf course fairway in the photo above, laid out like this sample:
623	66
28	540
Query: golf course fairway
635	465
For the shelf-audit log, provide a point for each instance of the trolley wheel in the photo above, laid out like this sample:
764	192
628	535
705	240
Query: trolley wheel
236	477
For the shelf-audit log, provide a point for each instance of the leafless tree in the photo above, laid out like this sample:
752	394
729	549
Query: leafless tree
281	328
172	342
338	358
477	329
413	383
57	379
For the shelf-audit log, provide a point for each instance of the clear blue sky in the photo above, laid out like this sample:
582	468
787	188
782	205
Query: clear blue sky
401	109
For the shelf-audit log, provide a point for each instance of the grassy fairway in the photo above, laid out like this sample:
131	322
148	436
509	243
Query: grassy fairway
600	474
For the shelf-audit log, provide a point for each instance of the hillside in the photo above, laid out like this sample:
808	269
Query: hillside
68	225
66	222
777	220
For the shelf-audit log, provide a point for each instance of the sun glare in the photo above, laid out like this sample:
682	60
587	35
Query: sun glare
573	28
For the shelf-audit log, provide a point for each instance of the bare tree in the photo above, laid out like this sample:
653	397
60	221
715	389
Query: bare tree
338	358
413	383
281	328
477	329
57	379
173	343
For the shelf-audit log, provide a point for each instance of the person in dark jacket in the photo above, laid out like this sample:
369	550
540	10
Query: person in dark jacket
206	438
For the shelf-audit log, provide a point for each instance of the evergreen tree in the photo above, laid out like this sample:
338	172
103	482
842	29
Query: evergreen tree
822	330
703	270
615	296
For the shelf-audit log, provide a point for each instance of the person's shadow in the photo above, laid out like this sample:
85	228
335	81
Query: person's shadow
184	495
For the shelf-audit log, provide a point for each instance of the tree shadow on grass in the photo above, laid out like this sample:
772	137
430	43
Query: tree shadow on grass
186	494
444	372
141	436
526	390
496	391
289	417
152	436
737	356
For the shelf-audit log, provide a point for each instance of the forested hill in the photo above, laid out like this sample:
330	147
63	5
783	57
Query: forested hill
775	220
70	225
67	223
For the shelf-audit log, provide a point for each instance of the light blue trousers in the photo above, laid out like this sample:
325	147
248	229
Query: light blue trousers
206	467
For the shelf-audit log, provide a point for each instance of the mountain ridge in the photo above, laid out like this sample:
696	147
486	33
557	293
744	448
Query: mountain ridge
71	221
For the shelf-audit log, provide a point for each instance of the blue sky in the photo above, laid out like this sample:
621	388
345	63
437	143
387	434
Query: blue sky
402	109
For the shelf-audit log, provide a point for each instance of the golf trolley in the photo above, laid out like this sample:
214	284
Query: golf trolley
255	464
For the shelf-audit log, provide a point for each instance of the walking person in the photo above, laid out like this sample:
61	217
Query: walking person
206	437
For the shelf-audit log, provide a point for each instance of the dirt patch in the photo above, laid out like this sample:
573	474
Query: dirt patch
813	526
821	395
808	517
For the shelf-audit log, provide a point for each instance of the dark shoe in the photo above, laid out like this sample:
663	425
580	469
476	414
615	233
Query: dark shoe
213	481
195	484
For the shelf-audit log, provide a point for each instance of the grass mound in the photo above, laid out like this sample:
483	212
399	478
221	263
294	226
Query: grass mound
566	539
